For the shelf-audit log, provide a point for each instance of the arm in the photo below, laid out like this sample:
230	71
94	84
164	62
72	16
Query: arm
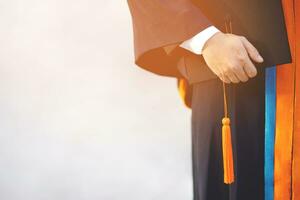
160	26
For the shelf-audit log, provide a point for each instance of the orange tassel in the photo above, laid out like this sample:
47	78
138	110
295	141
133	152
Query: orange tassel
227	152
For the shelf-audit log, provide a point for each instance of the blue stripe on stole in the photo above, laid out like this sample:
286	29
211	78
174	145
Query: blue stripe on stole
270	123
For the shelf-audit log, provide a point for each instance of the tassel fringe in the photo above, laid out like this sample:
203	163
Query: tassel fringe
227	152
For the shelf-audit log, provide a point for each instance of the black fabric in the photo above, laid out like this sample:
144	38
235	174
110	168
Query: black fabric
192	66
246	110
260	21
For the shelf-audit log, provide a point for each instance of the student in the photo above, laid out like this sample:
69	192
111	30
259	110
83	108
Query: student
173	38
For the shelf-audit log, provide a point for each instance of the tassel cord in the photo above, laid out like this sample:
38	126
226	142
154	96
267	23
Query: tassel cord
226	137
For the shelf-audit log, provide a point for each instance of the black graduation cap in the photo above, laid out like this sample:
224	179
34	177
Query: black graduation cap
262	22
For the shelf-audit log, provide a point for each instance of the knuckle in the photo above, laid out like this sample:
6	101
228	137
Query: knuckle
240	53
235	67
234	41
237	45
240	58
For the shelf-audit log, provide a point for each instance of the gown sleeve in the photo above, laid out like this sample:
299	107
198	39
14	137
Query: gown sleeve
159	27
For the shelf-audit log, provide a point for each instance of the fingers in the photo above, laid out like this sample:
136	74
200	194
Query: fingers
249	68
224	78
221	75
235	62
232	77
252	51
240	73
228	76
227	80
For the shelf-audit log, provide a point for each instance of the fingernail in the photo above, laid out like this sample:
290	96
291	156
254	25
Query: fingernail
260	59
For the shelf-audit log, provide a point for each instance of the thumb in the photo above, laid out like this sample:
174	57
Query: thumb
252	51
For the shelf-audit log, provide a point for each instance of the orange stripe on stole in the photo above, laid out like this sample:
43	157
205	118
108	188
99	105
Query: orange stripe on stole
284	115
296	141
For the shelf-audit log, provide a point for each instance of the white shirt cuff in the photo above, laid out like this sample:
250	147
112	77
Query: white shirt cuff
196	43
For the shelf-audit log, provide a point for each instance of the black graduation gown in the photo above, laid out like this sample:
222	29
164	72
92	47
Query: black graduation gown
246	111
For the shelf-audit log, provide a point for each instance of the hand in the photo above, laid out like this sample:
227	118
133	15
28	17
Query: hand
229	57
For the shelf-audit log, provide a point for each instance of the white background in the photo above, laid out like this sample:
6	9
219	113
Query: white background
78	120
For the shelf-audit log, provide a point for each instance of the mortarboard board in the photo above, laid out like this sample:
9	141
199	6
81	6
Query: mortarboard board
262	22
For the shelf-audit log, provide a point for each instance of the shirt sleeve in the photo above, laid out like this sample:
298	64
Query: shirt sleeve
196	43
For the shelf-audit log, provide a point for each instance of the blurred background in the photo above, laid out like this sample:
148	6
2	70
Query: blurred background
79	121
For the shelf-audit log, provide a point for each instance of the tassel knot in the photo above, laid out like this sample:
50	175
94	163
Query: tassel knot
226	121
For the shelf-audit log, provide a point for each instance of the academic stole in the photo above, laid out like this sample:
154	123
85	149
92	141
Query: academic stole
287	116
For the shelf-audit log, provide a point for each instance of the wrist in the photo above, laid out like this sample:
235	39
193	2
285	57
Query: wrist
215	35
196	43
